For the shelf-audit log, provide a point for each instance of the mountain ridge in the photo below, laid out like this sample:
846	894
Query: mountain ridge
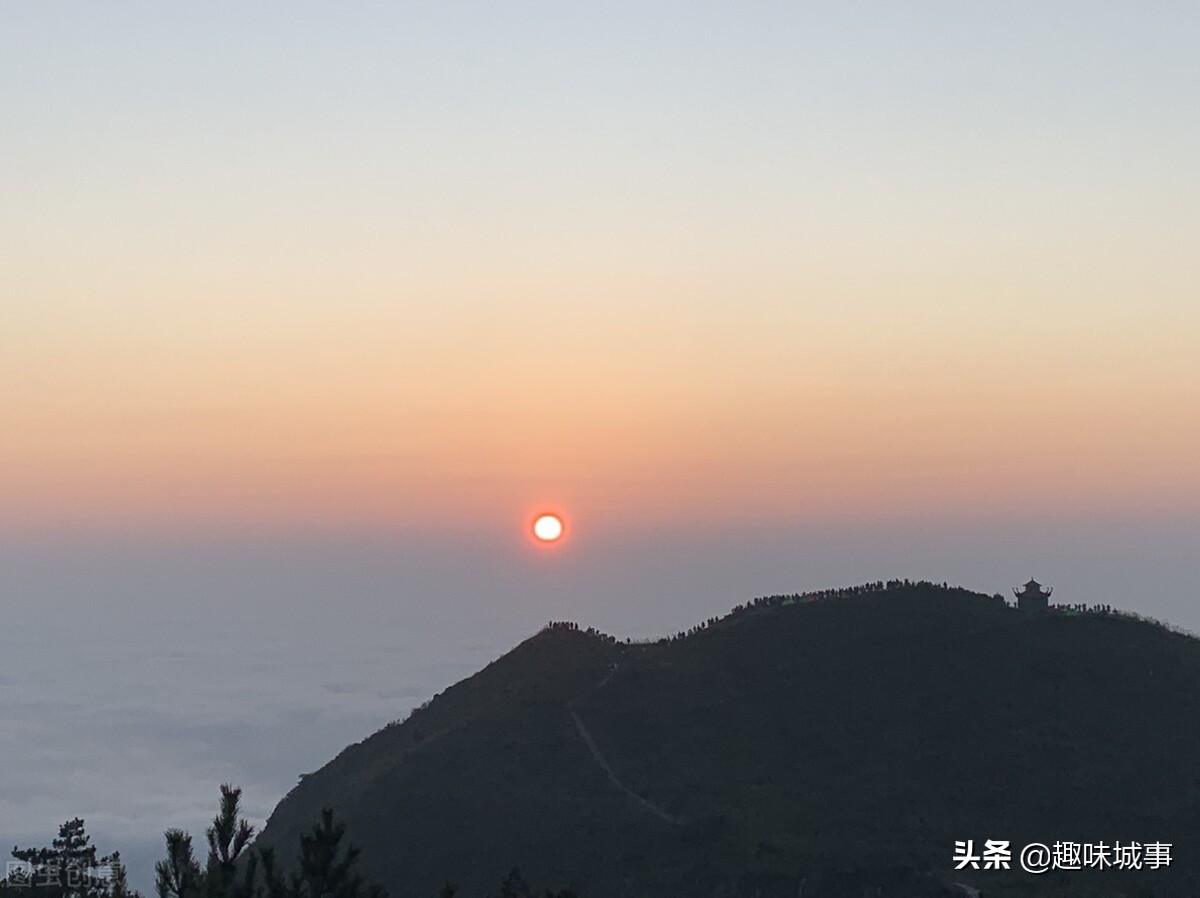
831	737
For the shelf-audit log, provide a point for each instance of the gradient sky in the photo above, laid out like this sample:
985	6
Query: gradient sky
385	267
765	296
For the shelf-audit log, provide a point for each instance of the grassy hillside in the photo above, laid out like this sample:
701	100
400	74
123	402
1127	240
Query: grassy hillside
835	743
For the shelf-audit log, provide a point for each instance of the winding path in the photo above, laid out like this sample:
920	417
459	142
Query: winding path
598	757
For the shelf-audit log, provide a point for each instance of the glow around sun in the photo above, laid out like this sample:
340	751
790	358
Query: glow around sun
547	528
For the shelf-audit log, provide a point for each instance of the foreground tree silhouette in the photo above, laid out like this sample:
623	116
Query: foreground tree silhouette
179	876
237	869
514	886
326	870
70	868
228	837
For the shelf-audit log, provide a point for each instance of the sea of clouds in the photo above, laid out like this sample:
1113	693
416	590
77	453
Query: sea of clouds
136	678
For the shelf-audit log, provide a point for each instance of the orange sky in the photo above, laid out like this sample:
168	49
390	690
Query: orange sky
957	276
650	414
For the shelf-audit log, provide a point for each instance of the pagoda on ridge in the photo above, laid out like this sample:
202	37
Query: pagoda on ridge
1033	596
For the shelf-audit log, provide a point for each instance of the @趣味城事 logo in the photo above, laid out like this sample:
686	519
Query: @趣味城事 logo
1040	857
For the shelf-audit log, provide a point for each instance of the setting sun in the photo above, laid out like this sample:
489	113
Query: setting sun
548	528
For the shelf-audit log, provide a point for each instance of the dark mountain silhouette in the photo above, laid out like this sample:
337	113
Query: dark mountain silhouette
836	744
